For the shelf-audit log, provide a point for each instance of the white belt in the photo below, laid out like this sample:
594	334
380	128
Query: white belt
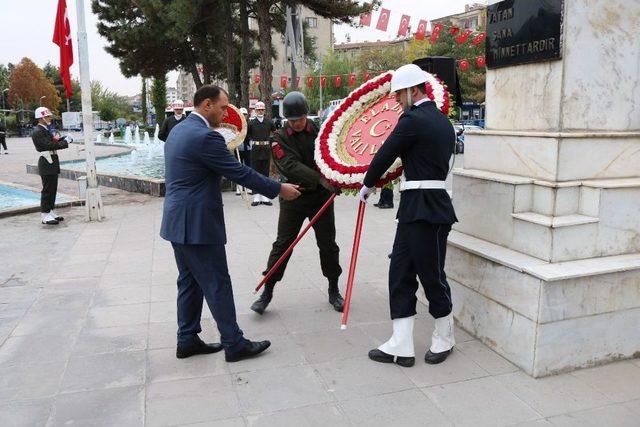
47	155
422	185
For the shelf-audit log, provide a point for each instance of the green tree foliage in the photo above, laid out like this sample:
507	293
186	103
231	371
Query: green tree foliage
376	60
472	81
159	97
332	65
143	100
109	104
53	74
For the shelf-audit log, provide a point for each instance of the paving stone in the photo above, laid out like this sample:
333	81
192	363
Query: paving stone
164	293
613	415
554	395
30	381
297	386
164	366
284	351
310	416
457	367
486	358
35	349
361	377
333	345
191	400
403	408
104	371
25	413
122	407
105	297
619	381
118	315
125	279
163	334
111	340
480	402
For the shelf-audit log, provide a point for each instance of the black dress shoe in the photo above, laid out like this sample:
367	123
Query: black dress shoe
184	351
336	300
260	305
385	206
376	204
435	358
251	348
255	203
59	218
378	355
267	203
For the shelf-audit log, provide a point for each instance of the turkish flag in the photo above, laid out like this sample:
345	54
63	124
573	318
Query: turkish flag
323	81
454	30
309	81
367	76
283	81
365	19
62	37
297	82
462	38
352	79
404	26
464	64
481	62
257	79
478	39
337	81
383	19
435	33
422	30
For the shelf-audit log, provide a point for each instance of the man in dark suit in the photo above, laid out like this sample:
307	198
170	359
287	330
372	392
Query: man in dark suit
48	164
171	122
193	221
425	140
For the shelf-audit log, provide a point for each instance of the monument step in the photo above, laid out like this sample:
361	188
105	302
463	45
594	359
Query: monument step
543	270
555	221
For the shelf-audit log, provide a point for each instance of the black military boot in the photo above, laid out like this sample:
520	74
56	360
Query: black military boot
335	299
265	298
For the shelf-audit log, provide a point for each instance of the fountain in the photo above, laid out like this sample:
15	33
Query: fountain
147	140
127	135
111	138
98	138
136	136
156	132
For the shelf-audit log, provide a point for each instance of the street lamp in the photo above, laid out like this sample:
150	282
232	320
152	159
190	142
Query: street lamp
318	69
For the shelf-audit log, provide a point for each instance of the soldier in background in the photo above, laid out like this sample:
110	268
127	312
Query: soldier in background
293	148
259	133
170	122
48	164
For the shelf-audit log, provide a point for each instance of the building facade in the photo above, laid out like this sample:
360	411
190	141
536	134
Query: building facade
185	87
350	51
172	95
473	17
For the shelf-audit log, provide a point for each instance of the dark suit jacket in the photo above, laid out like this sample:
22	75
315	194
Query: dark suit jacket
43	141
168	124
196	158
424	139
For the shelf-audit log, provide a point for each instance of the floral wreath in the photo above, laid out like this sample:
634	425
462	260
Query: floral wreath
348	176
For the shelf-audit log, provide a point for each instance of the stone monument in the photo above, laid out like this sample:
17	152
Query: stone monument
545	261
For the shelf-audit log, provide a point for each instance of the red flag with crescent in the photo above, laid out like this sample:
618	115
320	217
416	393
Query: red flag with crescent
352	79
481	62
62	37
309	81
422	30
284	80
435	33
404	26
367	77
337	81
365	19
462	38
478	39
323	81
464	64
297	82
383	19
257	79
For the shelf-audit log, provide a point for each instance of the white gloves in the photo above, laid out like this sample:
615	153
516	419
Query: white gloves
364	193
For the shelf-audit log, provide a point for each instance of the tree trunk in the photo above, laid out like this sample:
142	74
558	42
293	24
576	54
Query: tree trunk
230	53
244	54
264	40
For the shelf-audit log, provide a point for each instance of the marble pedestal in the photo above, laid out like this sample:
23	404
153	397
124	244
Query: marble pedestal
545	261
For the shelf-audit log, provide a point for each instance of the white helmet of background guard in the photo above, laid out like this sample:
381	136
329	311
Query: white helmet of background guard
244	110
259	106
42	112
407	76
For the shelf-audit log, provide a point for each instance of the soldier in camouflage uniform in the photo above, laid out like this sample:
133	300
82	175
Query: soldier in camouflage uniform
292	151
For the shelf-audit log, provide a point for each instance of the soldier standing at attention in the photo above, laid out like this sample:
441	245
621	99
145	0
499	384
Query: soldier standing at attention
293	148
48	164
259	133
170	122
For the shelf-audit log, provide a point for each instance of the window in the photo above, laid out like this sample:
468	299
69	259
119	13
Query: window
312	22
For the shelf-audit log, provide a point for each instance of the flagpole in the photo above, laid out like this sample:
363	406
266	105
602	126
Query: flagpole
94	207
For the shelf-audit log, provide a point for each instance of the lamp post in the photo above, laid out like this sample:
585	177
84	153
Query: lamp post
318	68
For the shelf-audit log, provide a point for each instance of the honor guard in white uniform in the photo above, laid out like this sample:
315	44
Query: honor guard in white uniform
424	139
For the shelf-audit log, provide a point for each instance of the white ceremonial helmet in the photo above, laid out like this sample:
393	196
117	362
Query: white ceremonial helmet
407	76
244	110
178	105
42	112
259	106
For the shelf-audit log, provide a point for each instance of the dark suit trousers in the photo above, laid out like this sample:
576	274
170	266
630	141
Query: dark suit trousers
289	224
419	250
203	273
48	194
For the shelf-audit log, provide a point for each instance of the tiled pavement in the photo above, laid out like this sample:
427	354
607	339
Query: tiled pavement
87	334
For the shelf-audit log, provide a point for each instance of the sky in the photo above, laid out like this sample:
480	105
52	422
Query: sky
26	29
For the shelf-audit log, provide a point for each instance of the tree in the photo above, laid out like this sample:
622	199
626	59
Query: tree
109	104
53	74
28	84
143	100
332	65
159	97
472	81
377	60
